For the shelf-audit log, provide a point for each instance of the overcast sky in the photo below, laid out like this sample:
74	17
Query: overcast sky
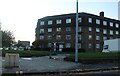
20	16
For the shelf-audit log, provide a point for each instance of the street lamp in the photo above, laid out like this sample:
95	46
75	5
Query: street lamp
76	45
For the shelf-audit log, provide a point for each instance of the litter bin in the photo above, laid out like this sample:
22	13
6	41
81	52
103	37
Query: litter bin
11	60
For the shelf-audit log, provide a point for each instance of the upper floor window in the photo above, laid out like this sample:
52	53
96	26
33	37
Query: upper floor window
68	28
49	29
42	22
97	45
68	20
50	22
90	37
79	45
68	45
58	29
90	28
97	21
68	37
117	32
90	20
104	37
58	37
97	37
90	45
111	24
79	37
104	31
111	32
79	29
117	25
79	20
49	37
97	30
41	37
105	23
41	30
59	21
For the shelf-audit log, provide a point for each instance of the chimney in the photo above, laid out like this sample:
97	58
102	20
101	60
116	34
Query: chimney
102	14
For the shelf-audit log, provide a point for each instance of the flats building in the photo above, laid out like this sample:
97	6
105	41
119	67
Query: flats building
59	30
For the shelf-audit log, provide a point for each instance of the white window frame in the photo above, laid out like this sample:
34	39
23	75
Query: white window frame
68	45
97	21
90	20
97	46
111	24
58	29
68	29
49	29
68	37
97	29
111	32
90	29
59	21
117	25
105	23
104	31
41	37
49	22
42	22
69	20
79	20
41	30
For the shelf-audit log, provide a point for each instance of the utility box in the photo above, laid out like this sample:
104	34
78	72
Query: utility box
11	60
112	45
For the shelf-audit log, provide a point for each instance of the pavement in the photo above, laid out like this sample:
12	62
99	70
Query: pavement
57	64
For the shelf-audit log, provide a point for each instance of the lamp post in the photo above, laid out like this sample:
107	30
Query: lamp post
76	45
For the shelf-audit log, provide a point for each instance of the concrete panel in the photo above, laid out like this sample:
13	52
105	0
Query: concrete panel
11	60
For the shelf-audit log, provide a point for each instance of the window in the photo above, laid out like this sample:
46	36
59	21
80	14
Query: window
68	28
79	45
117	32
58	29
79	29
50	22
97	30
79	37
97	21
104	38
41	30
111	32
41	37
90	20
90	29
111	24
49	29
68	37
105	23
68	20
97	37
90	45
97	45
41	22
49	37
49	44
68	45
90	37
104	31
58	21
111	37
79	20
58	37
117	25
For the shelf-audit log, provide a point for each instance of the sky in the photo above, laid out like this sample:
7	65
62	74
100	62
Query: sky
20	16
